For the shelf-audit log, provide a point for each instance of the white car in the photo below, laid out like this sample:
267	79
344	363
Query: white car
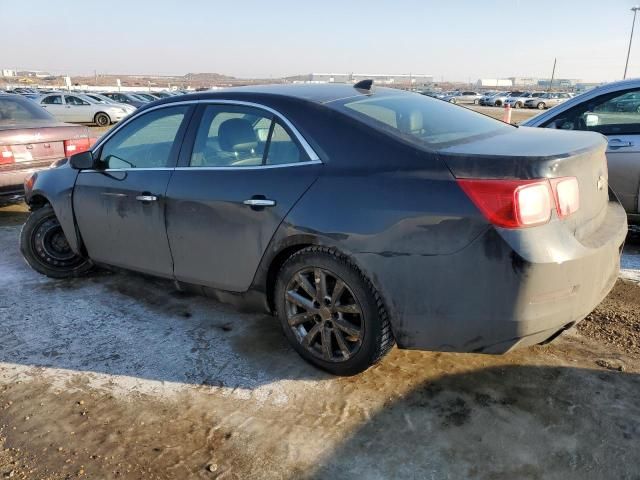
77	108
518	102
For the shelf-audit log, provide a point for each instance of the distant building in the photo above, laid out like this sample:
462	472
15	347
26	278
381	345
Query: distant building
494	82
6	72
379	78
565	83
33	73
524	81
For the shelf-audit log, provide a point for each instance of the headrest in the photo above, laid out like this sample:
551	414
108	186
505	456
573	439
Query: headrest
237	134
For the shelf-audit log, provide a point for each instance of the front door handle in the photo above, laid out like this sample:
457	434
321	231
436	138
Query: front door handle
617	143
146	198
260	202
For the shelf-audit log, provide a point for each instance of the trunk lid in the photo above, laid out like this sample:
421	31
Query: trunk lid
532	153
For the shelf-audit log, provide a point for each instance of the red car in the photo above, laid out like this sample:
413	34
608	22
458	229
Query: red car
31	139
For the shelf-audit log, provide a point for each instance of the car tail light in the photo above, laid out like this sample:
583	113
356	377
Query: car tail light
76	146
511	203
6	155
567	195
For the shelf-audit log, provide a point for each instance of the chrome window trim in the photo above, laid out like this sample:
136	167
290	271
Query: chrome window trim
195	169
313	156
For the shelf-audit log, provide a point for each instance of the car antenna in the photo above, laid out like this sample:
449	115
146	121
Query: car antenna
364	84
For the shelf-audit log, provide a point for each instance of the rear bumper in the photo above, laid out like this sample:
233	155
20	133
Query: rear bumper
500	292
12	181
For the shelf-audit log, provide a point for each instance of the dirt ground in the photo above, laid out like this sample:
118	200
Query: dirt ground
118	376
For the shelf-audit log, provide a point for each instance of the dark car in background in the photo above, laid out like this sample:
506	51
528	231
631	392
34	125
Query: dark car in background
31	139
358	216
126	98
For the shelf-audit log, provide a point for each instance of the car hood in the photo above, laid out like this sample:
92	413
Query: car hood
518	152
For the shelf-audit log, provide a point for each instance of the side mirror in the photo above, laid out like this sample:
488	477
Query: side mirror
82	161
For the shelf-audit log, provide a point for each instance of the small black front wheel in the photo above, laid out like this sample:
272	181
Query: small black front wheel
331	313
102	119
45	247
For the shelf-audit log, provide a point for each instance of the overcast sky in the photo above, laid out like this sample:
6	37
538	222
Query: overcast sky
455	40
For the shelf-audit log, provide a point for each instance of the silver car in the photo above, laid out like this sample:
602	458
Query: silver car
614	111
76	108
548	100
518	102
463	97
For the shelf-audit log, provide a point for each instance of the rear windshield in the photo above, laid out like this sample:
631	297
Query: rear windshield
15	110
418	118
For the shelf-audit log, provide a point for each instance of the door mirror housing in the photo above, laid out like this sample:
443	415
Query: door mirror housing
83	161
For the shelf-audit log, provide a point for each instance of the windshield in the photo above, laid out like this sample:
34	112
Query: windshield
20	110
419	119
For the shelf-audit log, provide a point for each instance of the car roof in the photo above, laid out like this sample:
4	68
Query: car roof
317	93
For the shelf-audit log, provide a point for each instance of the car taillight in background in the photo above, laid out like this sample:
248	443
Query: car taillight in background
76	146
523	203
6	155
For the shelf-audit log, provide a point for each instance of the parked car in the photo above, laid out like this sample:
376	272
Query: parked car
324	205
487	98
548	100
518	101
30	139
463	97
500	99
614	111
74	108
146	96
126	98
99	98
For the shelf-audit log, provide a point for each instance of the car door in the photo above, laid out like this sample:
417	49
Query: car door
120	207
55	106
78	110
603	114
246	169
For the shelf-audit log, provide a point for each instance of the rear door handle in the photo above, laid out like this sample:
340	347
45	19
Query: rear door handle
617	143
260	202
146	198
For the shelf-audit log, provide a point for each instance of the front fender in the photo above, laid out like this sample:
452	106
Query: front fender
55	185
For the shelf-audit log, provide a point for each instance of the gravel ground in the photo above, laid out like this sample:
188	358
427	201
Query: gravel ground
119	376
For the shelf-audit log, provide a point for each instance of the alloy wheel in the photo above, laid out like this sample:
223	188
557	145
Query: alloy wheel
324	314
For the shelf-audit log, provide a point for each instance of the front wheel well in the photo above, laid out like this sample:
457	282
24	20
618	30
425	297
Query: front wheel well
36	202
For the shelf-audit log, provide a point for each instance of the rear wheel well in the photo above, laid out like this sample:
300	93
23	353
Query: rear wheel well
274	268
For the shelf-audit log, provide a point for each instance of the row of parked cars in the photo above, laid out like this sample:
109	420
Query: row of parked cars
102	109
515	99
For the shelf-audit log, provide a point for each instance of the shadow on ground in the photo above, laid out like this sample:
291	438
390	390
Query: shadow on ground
533	422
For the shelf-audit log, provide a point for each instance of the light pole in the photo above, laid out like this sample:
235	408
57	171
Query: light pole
635	11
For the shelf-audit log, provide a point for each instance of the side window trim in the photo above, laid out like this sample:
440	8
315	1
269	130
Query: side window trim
189	140
176	148
194	115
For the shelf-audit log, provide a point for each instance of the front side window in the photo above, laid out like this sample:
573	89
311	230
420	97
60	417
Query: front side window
610	114
52	100
146	141
418	118
71	100
238	136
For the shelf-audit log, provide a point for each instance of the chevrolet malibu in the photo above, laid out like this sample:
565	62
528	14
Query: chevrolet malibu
361	217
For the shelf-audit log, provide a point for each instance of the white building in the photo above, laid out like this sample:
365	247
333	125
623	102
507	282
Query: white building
494	82
7	72
379	78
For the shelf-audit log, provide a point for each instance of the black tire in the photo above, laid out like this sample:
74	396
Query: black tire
374	337
102	119
453	100
518	105
476	102
541	106
45	248
498	103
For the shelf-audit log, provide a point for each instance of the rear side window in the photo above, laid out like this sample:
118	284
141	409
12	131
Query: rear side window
238	136
72	100
13	110
418	118
145	142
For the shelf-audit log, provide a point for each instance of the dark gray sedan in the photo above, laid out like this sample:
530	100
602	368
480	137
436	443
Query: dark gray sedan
359	216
